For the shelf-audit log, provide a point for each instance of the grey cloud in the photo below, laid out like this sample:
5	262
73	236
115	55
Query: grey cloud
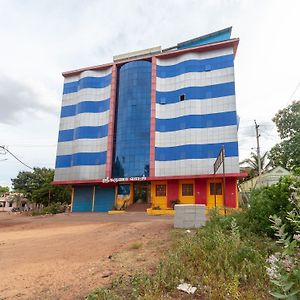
18	100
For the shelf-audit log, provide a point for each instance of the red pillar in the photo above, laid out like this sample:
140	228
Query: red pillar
152	118
200	190
172	191
231	200
111	123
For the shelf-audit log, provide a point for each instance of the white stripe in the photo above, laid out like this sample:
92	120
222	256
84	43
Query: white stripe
194	79
88	73
194	167
196	136
194	55
88	94
195	107
84	119
80	173
82	145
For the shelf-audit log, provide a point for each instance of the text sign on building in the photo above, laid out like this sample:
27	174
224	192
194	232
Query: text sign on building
219	160
125	179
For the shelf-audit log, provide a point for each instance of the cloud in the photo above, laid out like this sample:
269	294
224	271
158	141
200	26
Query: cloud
18	100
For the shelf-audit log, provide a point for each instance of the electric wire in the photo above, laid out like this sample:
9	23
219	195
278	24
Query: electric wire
5	149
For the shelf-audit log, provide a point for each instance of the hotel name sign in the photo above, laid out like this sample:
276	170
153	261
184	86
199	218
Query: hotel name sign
125	179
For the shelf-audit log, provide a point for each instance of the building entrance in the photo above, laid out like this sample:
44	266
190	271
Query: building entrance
141	192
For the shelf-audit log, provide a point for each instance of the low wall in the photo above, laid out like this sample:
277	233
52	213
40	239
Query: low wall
189	216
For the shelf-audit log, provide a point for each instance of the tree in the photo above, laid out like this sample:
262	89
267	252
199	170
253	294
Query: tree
252	163
287	152
3	190
36	187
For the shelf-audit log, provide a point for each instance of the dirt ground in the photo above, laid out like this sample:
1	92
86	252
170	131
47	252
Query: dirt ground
66	256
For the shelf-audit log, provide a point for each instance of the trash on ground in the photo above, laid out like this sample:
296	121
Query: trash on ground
186	287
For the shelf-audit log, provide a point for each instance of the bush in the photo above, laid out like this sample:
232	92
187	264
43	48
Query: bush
265	202
218	260
52	209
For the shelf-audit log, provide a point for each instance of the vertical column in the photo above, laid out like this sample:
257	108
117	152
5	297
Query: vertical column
152	118
111	124
93	199
231	197
200	190
172	191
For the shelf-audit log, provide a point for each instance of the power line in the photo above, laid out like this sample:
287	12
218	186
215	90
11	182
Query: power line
5	149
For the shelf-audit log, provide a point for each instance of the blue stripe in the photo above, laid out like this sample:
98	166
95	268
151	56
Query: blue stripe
81	159
195	65
197	121
87	82
196	92
84	132
195	151
85	107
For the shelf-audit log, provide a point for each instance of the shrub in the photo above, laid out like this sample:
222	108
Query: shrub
265	202
218	260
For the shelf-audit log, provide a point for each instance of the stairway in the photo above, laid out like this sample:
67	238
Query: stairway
138	207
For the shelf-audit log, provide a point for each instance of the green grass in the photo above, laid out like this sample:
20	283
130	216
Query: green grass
135	246
217	259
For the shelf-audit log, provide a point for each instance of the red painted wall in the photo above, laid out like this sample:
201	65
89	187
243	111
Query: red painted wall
200	191
152	118
172	191
230	192
111	124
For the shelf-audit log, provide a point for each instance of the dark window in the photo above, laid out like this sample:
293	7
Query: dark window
182	97
10	204
187	189
207	68
160	190
216	187
124	189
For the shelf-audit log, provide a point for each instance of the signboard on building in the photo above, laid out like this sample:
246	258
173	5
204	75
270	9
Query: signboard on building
125	179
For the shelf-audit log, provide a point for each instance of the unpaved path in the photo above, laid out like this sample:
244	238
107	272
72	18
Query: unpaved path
65	256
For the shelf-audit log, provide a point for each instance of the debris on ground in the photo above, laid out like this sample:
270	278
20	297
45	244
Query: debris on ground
106	274
186	287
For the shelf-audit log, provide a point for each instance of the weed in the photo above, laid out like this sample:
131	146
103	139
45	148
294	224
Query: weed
135	246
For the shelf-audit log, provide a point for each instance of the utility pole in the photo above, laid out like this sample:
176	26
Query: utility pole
258	150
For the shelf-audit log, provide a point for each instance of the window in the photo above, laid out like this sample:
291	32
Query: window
187	189
124	189
207	68
182	97
160	190
218	188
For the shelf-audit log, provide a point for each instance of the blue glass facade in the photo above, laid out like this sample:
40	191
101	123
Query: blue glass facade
132	135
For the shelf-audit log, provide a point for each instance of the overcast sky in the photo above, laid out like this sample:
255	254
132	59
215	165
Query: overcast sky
40	39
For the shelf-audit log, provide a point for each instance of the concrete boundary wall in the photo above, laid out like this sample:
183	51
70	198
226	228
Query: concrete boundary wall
189	216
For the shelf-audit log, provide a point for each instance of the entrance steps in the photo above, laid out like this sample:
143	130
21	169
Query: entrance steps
138	207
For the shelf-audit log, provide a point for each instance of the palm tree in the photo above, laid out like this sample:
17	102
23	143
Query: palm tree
252	164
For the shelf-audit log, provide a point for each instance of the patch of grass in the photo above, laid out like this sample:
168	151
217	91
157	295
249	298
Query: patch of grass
217	259
135	246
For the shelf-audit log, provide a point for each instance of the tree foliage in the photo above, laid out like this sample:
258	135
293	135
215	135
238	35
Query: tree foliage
36	187
287	152
3	189
252	163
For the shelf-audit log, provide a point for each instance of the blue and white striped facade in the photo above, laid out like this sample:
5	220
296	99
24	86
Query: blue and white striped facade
189	134
83	130
157	116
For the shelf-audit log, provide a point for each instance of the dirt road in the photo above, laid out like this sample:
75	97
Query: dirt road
66	256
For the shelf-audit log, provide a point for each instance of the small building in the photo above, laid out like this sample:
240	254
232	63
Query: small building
10	201
266	179
148	127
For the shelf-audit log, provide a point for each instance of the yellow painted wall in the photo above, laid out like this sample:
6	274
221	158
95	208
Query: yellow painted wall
158	201
211	198
186	199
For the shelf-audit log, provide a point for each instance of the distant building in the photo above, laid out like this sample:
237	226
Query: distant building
268	178
149	126
10	201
